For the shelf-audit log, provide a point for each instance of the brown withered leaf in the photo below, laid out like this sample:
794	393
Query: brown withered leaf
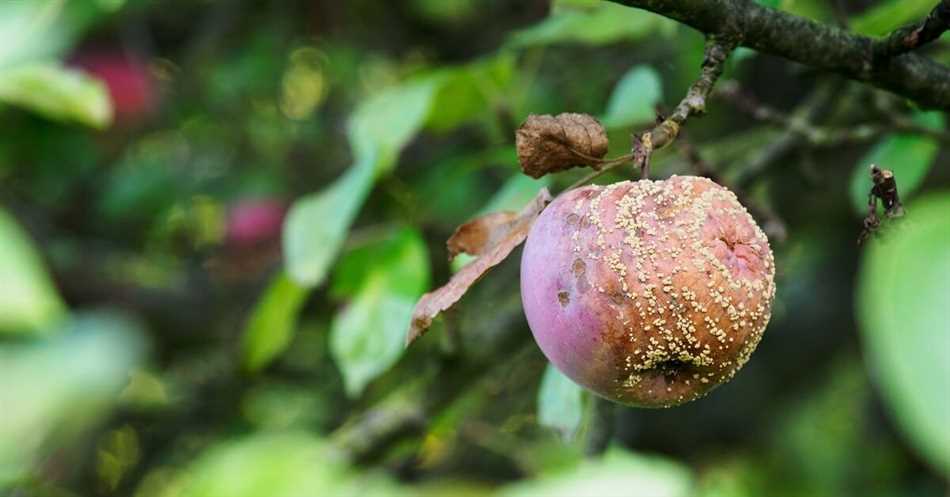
481	233
494	241
548	144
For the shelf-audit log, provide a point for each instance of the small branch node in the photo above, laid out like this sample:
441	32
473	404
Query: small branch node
884	189
914	36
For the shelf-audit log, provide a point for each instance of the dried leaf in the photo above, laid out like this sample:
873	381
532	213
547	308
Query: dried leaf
483	232
499	240
548	144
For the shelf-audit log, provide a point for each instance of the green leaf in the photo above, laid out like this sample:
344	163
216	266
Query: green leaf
889	15
904	289
819	434
379	129
272	324
278	464
515	194
57	93
42	30
400	254
634	99
111	5
146	182
27	31
317	224
28	299
471	90
560	403
590	23
910	156
368	336
384	123
617	469
455	186
55	389
449	12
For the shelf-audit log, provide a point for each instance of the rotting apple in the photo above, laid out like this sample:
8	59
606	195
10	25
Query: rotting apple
649	293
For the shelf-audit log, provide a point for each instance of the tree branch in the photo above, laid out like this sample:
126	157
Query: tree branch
812	43
911	37
716	52
714	60
798	127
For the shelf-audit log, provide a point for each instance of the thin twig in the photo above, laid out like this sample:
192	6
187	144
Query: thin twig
716	52
818	135
797	126
714	57
603	168
911	37
809	42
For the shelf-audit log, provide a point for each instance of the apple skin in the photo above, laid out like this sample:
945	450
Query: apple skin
648	293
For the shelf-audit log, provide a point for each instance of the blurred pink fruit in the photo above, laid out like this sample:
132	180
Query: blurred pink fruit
251	222
130	85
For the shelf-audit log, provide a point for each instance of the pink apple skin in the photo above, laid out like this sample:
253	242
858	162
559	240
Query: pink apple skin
648	293
251	222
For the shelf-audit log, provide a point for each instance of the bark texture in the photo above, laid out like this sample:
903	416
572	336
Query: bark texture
811	43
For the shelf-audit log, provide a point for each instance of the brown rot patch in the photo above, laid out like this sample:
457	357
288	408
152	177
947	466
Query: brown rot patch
729	241
578	268
671	369
616	298
564	298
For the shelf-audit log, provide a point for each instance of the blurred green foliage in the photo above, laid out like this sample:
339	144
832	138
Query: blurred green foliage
903	308
271	326
890	15
57	93
54	390
617	470
28	298
318	224
165	329
634	99
383	279
561	403
589	22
